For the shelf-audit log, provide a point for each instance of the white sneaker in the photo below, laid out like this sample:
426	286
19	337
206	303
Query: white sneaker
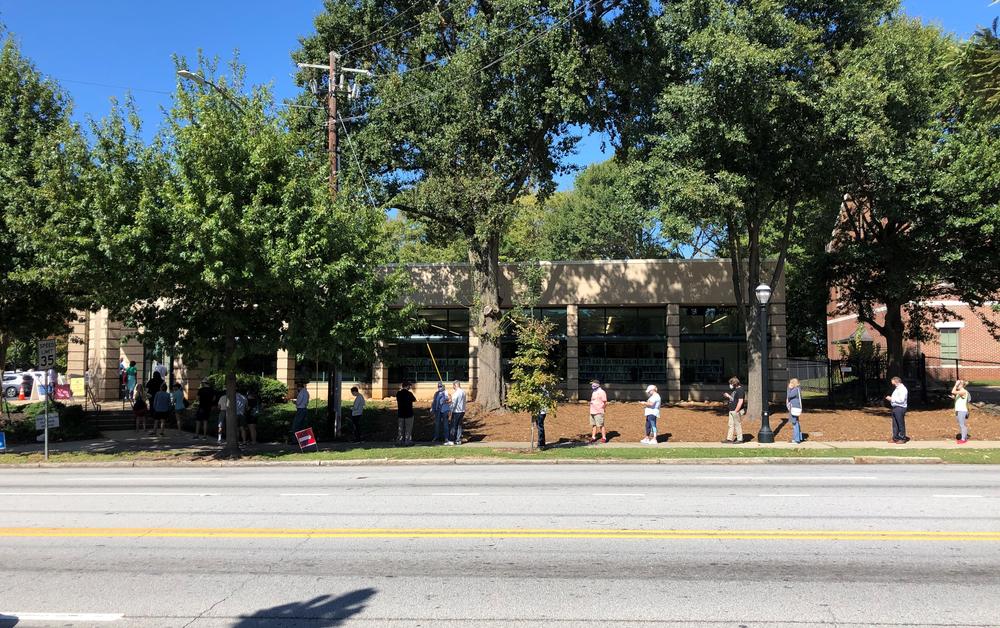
644	441
448	442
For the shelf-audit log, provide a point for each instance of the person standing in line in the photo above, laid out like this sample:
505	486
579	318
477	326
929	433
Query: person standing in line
898	400
223	409
301	408
179	404
357	412
598	404
122	383
161	410
206	399
651	410
252	413
241	416
962	399
440	408
457	414
153	385
131	379
793	401
540	421
737	408
404	412
139	407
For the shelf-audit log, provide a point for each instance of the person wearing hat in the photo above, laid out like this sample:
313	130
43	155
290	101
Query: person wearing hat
598	403
652	411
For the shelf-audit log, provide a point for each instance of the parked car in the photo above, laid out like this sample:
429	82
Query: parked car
13	381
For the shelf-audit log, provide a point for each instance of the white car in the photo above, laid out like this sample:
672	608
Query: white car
13	381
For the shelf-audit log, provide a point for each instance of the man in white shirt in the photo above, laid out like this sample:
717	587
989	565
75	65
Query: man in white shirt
457	413
357	410
301	406
898	400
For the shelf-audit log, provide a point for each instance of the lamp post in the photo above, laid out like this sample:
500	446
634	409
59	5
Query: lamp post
201	80
765	435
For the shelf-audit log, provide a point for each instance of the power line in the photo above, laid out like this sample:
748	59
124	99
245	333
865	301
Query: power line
131	89
357	161
351	45
420	23
499	59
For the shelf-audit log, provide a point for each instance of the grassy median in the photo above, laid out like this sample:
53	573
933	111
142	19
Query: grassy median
583	454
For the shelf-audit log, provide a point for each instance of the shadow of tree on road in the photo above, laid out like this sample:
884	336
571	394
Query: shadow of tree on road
322	610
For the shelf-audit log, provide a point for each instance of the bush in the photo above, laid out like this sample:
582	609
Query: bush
269	390
73	425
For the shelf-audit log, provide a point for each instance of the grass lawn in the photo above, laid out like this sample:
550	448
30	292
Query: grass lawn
984	382
962	456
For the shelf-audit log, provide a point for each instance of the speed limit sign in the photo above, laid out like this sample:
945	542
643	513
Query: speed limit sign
46	354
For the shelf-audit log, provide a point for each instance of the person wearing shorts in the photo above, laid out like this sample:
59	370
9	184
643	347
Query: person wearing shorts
598	404
651	410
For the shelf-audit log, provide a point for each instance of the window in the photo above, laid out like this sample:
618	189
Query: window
623	345
713	347
444	335
557	354
949	344
309	369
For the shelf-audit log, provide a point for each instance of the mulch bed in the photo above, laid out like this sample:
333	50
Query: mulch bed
702	422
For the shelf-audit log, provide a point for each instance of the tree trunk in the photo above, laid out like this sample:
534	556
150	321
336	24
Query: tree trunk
484	258
894	339
232	425
755	396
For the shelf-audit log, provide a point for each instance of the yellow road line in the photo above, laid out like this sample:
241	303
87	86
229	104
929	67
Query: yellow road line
492	533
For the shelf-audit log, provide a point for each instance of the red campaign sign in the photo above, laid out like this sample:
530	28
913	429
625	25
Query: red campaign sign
306	439
63	392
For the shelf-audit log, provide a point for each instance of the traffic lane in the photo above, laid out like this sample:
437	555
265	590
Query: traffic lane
499	476
863	510
509	581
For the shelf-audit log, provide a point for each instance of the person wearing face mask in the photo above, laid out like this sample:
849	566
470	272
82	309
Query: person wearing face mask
737	402
598	402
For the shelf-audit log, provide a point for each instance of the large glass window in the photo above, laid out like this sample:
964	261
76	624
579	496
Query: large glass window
444	335
713	347
623	345
263	364
557	354
309	369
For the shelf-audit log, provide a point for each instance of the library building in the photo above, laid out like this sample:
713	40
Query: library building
626	323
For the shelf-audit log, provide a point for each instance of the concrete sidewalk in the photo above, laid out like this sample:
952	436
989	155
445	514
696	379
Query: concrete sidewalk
127	441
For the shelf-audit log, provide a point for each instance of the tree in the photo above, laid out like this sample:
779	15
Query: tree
41	155
469	109
226	230
980	66
608	215
892	111
533	386
740	143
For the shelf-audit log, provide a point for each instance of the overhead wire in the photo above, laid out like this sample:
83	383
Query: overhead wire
351	45
499	59
357	161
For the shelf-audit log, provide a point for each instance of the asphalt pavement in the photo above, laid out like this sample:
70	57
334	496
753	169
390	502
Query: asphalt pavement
455	545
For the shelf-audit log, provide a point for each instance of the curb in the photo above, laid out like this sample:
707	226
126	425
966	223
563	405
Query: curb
476	462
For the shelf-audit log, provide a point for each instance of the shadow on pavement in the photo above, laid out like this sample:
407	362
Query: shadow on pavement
323	610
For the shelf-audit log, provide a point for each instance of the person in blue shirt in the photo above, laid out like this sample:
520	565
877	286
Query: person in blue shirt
161	409
440	409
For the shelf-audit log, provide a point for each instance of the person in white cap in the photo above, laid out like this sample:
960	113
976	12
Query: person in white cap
651	409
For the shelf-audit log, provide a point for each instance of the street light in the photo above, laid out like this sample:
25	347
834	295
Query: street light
765	435
201	80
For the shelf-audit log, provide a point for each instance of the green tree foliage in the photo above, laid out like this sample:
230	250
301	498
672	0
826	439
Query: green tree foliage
469	110
741	143
533	384
41	156
608	215
906	147
226	233
980	67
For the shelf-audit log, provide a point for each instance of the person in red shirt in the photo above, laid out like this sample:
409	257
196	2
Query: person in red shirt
598	402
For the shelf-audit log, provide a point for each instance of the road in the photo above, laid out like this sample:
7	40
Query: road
502	545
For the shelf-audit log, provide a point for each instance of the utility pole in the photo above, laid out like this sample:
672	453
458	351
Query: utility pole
334	83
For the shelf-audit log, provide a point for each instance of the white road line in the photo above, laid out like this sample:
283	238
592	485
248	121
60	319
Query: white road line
455	494
97	617
959	496
619	494
151	478
783	495
303	494
90	494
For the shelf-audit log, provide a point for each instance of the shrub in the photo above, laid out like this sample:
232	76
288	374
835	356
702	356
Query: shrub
73	424
269	390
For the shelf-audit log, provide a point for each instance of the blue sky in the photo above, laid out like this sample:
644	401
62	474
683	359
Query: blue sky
101	49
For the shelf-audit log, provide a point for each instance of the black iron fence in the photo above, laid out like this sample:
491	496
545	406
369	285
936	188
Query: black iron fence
863	381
